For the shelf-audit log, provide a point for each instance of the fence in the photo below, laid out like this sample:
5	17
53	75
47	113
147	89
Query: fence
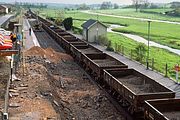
162	66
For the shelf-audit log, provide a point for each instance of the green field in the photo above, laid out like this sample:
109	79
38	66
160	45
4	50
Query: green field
133	13
163	33
160	32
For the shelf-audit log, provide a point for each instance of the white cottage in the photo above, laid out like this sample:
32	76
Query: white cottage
92	29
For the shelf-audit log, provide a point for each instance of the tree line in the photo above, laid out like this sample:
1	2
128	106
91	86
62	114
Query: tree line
31	5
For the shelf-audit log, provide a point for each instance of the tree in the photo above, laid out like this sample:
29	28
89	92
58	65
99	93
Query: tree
116	6
145	4
83	7
68	23
136	4
106	5
175	4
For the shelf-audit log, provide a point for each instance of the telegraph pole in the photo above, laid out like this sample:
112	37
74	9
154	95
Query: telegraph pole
149	26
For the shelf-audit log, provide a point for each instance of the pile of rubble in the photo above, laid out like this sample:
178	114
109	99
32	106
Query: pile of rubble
57	89
48	53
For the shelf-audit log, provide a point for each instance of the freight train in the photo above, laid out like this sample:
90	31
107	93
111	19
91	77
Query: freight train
134	91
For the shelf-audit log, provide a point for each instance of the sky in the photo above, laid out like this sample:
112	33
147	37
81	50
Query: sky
122	2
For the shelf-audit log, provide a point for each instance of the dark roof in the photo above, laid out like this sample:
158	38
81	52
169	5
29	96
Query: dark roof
89	23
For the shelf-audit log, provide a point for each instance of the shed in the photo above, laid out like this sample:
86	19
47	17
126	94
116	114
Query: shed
92	29
4	9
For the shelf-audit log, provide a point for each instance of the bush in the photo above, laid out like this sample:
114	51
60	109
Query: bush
109	48
68	23
103	40
140	52
77	30
58	21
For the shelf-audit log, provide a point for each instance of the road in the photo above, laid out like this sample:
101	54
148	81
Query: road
134	18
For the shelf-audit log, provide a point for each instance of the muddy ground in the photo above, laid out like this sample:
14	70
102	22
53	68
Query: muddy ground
57	89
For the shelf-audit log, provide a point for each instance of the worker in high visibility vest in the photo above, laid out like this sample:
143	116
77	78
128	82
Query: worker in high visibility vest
13	37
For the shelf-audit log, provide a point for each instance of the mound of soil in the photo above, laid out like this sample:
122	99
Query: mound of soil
48	53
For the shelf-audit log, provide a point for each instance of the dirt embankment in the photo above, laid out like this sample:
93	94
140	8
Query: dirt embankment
48	53
56	88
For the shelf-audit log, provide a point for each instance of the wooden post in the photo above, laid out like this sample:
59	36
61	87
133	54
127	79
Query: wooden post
120	49
123	50
116	50
147	63
166	70
152	63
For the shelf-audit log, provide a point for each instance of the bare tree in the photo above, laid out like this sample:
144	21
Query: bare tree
145	3
136	4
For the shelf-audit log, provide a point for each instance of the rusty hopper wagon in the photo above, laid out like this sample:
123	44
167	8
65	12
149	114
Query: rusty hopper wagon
69	40
97	62
56	29
78	51
162	109
134	88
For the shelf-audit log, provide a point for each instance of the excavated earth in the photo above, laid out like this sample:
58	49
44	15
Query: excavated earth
51	86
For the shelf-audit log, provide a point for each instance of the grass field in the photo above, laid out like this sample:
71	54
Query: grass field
160	31
163	33
133	13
